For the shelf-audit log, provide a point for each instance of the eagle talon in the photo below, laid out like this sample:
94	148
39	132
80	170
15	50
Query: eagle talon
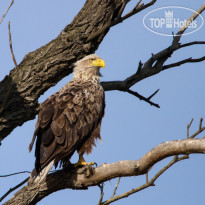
81	162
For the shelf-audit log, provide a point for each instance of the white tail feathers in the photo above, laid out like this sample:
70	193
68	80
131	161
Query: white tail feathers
43	174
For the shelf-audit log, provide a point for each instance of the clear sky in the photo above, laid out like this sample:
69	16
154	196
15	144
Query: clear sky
130	127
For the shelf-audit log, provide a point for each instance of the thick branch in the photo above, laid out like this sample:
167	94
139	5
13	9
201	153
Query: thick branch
77	179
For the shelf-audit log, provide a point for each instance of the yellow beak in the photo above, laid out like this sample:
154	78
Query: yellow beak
98	62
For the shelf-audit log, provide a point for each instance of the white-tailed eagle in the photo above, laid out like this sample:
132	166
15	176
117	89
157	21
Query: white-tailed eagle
70	119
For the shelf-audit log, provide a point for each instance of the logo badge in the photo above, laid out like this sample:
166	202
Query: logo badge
166	20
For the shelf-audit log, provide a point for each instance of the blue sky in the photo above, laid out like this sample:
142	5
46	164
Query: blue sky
130	127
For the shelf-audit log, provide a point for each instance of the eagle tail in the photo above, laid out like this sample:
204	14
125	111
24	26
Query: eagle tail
43	174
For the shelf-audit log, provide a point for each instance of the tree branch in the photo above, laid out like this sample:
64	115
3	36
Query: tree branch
188	60
148	100
155	64
139	7
77	179
114	192
11	48
191	43
6	11
22	172
5	101
148	183
101	193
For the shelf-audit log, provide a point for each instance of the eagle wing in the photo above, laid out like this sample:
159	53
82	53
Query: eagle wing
68	121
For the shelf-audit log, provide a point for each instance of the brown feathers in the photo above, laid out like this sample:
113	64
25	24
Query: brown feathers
70	119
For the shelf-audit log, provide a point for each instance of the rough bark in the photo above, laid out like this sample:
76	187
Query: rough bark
43	68
83	178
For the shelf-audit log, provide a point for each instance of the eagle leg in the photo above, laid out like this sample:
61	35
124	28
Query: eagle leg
81	162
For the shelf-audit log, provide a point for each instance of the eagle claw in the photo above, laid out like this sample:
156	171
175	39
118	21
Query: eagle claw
81	162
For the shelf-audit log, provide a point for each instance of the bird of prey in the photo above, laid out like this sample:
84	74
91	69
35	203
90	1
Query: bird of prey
70	119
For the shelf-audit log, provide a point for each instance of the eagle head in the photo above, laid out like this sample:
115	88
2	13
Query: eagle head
88	68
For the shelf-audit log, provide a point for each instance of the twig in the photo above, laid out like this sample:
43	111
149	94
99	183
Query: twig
122	8
148	183
114	192
191	43
201	129
101	193
144	98
188	60
137	8
7	11
10	43
3	106
200	124
151	96
147	178
188	126
13	189
139	67
8	175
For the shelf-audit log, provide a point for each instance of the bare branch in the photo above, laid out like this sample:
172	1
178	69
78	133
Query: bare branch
101	193
192	43
148	183
124	3
139	67
11	85
139	7
114	192
200	124
8	175
201	129
188	60
147	177
155	64
188	126
144	98
6	11
151	96
11	48
76	179
190	20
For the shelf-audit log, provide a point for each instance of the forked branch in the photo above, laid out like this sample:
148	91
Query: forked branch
148	182
76	179
139	7
155	64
